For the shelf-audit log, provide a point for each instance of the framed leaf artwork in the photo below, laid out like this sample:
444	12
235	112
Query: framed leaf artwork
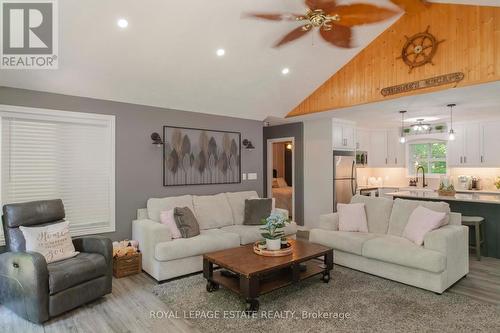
194	156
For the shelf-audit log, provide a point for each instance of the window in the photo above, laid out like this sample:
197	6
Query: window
430	155
56	154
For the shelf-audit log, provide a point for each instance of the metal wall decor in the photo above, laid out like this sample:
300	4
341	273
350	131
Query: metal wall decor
194	156
419	49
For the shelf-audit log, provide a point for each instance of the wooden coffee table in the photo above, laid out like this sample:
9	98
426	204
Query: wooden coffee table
253	275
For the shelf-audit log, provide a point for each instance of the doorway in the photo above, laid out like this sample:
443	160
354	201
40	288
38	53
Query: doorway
281	173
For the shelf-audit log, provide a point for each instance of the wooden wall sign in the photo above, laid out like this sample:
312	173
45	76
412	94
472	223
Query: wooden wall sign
425	83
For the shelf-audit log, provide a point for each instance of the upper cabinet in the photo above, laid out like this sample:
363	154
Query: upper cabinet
490	139
362	139
343	135
475	145
385	149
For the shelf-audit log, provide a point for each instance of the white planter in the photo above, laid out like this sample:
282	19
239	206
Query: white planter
273	244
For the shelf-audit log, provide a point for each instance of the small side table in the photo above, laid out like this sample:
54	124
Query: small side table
475	222
127	265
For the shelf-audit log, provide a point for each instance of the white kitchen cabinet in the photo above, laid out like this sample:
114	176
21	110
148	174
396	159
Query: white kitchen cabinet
343	135
377	155
395	149
385	149
465	150
362	139
455	148
490	141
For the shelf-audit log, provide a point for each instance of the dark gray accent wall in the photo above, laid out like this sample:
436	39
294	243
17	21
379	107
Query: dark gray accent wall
138	161
295	130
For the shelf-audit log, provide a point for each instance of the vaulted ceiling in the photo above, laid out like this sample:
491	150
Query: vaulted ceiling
166	57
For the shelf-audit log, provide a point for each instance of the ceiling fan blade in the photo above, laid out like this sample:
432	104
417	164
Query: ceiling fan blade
411	6
271	16
326	5
340	36
361	13
291	36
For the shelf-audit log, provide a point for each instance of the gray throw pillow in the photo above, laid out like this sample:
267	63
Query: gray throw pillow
186	222
256	210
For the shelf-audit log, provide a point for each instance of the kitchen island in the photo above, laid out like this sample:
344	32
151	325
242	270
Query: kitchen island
486	205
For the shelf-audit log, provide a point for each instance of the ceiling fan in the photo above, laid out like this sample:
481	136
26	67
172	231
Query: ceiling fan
333	21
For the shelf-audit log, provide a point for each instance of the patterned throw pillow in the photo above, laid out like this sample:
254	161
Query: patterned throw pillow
52	241
186	222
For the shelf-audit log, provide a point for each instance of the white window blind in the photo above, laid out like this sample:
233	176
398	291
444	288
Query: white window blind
68	155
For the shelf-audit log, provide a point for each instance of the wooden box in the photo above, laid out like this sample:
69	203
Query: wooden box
127	265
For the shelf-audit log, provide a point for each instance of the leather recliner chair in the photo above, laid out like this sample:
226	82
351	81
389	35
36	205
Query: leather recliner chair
38	291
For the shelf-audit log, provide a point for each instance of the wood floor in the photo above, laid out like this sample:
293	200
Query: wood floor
128	308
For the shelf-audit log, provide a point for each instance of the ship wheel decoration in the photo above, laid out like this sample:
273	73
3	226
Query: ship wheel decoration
419	49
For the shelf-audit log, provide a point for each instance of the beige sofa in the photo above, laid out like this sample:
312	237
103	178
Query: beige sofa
435	266
220	218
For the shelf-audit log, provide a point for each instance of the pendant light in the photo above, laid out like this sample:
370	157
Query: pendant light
402	138
451	135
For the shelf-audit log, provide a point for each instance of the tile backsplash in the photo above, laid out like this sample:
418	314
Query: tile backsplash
397	176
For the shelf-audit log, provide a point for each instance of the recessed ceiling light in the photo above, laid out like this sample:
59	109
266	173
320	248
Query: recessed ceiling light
285	71
221	52
122	23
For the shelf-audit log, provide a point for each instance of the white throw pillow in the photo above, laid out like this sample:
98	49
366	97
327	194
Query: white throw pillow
52	241
422	220
352	217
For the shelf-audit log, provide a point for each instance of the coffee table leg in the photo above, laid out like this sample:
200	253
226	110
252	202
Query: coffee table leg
328	261
208	273
249	287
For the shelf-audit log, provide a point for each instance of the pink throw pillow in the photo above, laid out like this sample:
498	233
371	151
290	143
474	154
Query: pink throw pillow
167	218
352	217
422	221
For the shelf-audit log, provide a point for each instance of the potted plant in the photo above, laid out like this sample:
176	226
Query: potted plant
406	131
497	183
273	230
439	128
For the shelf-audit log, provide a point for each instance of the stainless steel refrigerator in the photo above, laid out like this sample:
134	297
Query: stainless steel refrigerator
344	177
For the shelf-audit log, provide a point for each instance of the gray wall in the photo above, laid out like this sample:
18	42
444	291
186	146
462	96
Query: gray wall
295	130
138	161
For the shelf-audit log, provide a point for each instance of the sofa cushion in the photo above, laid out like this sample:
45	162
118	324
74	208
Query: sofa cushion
345	241
74	271
256	210
207	241
186	222
251	233
400	251
157	205
237	202
378	212
352	217
212	211
422	221
402	210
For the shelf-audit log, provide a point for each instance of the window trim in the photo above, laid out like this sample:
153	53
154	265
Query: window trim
426	141
82	118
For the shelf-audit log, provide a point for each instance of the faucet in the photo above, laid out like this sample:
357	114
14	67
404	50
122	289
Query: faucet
423	176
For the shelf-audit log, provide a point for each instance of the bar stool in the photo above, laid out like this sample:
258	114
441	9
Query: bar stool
475	222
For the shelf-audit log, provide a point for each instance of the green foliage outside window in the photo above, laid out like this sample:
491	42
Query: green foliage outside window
431	156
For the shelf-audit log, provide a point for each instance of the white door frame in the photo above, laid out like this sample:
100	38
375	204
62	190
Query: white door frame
270	168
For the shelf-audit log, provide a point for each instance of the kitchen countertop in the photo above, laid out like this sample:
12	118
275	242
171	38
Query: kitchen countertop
478	197
413	188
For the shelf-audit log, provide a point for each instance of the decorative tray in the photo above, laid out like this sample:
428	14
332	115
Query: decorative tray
286	249
447	193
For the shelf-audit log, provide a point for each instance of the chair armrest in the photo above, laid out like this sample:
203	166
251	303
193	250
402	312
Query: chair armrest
453	242
149	233
24	285
282	211
329	221
95	244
